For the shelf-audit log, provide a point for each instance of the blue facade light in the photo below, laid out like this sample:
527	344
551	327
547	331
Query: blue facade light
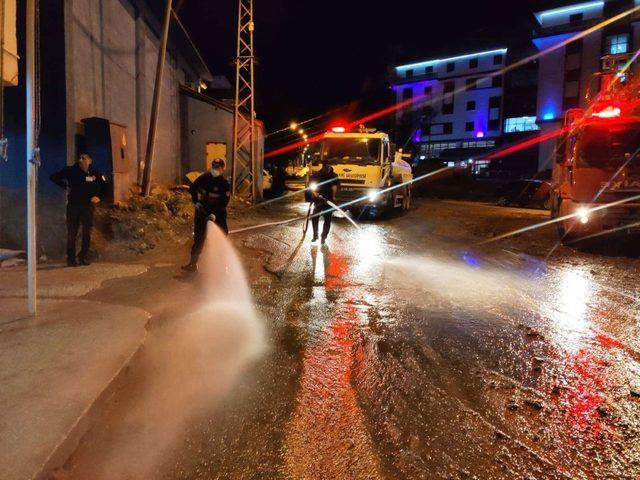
570	10
548	116
427	63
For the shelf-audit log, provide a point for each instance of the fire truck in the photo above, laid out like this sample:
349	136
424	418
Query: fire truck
373	175
596	172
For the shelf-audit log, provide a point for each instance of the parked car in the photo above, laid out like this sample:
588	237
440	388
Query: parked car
525	193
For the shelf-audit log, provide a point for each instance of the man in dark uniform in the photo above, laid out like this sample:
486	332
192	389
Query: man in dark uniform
324	186
85	187
210	194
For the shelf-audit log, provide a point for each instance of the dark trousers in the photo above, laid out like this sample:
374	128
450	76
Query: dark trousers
315	220
78	215
200	230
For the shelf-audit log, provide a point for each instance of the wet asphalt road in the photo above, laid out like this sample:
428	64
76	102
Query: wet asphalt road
406	350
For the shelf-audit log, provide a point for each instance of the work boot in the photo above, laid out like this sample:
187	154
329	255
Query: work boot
190	267
84	262
314	239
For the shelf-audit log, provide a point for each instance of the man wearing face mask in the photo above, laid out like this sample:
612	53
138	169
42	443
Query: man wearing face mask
210	194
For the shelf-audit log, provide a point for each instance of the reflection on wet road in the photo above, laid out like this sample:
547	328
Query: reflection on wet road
327	436
448	364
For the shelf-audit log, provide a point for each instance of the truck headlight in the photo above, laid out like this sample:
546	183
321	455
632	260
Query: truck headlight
583	215
373	195
313	186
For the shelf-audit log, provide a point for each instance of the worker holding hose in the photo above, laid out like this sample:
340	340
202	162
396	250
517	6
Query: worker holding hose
323	186
210	194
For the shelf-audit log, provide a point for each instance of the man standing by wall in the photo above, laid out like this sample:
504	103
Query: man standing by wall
210	194
85	187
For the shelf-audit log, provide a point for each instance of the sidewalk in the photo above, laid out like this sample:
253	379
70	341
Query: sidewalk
57	367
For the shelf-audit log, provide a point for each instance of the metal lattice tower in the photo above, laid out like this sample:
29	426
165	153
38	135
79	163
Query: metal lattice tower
245	166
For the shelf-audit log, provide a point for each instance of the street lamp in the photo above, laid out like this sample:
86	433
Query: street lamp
293	126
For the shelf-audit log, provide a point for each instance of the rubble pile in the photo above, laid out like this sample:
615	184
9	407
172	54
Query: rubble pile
141	223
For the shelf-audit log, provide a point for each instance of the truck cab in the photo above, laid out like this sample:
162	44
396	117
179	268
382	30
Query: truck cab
596	167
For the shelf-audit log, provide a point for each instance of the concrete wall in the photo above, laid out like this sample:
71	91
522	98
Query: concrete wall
207	121
50	200
111	63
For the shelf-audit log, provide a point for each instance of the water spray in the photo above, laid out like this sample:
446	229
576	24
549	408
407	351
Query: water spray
342	206
346	214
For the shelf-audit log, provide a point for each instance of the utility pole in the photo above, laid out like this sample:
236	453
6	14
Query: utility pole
245	169
32	154
153	121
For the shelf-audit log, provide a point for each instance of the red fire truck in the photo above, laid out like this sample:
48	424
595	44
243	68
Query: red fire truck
596	172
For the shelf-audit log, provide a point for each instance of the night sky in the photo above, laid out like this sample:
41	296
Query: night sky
315	56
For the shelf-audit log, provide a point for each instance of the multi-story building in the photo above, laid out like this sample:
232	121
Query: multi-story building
458	104
566	72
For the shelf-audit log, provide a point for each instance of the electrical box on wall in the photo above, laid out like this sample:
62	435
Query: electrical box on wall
106	142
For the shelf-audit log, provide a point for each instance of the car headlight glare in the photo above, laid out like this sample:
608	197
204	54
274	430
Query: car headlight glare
583	215
373	195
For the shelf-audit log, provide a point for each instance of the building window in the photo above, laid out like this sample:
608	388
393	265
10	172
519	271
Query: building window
428	69
428	91
494	125
469	126
447	128
473	63
471	84
407	93
451	66
497	59
447	109
495	102
572	62
572	75
471	105
576	18
616	44
520	124
496	81
574	47
409	73
572	89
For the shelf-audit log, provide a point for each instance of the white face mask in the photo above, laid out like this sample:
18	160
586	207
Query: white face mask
215	172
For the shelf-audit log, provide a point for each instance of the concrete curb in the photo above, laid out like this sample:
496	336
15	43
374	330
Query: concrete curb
67	445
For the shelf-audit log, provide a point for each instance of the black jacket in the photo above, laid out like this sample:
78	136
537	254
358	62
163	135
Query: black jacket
213	193
325	182
81	185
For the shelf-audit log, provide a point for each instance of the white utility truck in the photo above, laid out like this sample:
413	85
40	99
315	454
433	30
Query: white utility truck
369	168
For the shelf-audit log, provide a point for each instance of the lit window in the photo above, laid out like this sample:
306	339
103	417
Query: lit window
520	124
617	44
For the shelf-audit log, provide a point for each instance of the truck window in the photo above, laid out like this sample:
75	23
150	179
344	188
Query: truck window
365	151
608	146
